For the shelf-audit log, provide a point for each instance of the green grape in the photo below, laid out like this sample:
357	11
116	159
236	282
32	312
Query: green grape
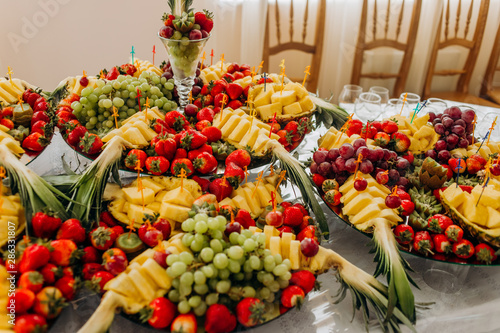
107	89
278	259
118	94
163	80
106	114
223	286
93	120
274	286
201	217
200	227
166	107
159	103
249	245
199	237
220	261
221	220
123	115
287	263
248	291
211	299
137	108
124	85
93	98
89	126
267	252
235	252
234	266
224	274
186	258
187	239
234	293
173	295
153	98
169	86
145	87
131	88
247	233
199	277
217	234
178	268
196	246
155	91
98	92
106	103
261	239
109	124
267	279
119	79
239	276
130	112
271	298
91	113
100	118
77	114
283	283
86	91
216	245
200	309
247	268
101	103
155	79
207	254
287	276
269	267
241	239
100	83
194	301
188	225
118	102
264	293
212	283
212	223
254	262
76	106
183	307
200	289
233	238
83	101
172	258
185	290
210	271
177	35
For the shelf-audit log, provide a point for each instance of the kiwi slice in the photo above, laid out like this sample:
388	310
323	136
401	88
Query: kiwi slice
129	243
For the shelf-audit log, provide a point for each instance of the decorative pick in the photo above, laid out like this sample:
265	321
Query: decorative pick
224	182
474	122
253	73
190	97
20	101
265	81
182	175
394	190
282	176
273	200
458	168
491	129
132	53
271	170
26	239
115	115
146	110
415	110
365	130
282	80
484	139
139	95
232	217
223	102
140	187
358	161
245	169
404	100
484	186
131	228
423	106
101	75
260	66
212	57
308	68
222	62
344	127
282	64
203	57
154	52
84	74
10	75
259	180
272	125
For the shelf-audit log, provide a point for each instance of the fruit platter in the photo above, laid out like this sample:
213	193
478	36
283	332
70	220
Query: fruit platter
428	178
26	118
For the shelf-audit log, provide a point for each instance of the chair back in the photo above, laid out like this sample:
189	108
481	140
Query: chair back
492	68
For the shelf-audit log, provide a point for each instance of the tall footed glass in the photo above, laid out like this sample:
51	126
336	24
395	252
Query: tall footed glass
183	55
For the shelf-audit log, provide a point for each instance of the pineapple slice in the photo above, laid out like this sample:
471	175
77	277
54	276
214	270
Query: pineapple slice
137	213
358	204
286	240
270	188
221	121
124	285
295	254
263	195
179	196
306	103
141	283
285	97
149	183
241	203
365	214
154	206
275	245
255	230
8	207
174	212
251	137
253	203
293	108
476	214
454	195
133	195
227	202
493	218
267	112
270	231
264	97
230	126
490	197
239	131
135	137
300	91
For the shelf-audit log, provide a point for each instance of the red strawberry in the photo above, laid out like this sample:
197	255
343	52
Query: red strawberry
134	156
457	165
204	183
285	138
180	153
112	74
29	323
50	273
35	142
234	173
234	90
212	133
441	243
234	67
236	104
202	124
72	229
192	139
240	157
181	163
301	207
129	69
454	233
176	120
90	269
305	280
423	242
10	125
250	311
102	238
23	300
292	216
243	217
292	296
164	146
409	157
404	234
219	319
205	163
90	144
203	149
318	179
40	127
33	257
90	255
64	117
31	280
157	165
199	18
219	98
205	114
208	24
463	249
185	323
167	20
401	142
307	232
449	174
221	188
219	86
389	126
101	278
45	224
484	253
475	163
382	139
160	313
67	286
354	126
438	223
407	207
75	135
293	128
107	219
65	251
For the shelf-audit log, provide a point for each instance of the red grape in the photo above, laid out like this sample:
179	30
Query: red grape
393	201
402	163
447	122
458	130
454	112
164	226
402	182
309	247
383	165
333	154
382	177
274	218
394	175
340	164
346	151
439	128
166	31
460	122
232	227
452	139
319	156
468	116
444	155
440	145
161	258
495	169
366	167
313	167
387	154
191	110
393	155
363	151
436	121
341	178
324	169
432	116
358	143
463	143
431	153
350	165
360	184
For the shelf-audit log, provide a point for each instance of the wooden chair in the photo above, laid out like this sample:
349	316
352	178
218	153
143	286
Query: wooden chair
384	40
452	38
316	49
488	90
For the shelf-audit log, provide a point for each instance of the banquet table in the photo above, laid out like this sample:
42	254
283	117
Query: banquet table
469	303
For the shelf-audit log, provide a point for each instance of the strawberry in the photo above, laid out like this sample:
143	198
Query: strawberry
454	233
90	269
202	124
234	67
199	18
404	234
307	232
354	126
31	280
234	90
234	173
180	153
240	157
134	156
205	114
219	86
285	138
219	98
292	296
64	253
75	135
90	144
39	127
30	323
107	219
159	313
250	311
112	74
220	188
159	126
205	163
441	243
72	229
181	163
423	242
457	165
463	249
368	131
67	286
301	207
389	126
449	174
23	300
382	139
35	142
202	182
176	120
102	238
49	302
401	142
99	279
203	149
484	253
235	104
293	128
168	19
157	165
377	124
164	146
407	207
292	216
305	280
219	319
208	23
129	69
192	139
185	323
318	179
64	117
10	125
45	224
243	217
90	255
50	273
438	223
212	133
475	163
33	257
284	229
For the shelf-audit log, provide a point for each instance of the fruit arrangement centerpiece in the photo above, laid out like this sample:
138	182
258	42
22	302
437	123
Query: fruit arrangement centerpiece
184	36
26	118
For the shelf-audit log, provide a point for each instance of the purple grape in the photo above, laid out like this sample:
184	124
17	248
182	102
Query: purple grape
198	72
232	227
333	154
366	167
471	139
440	145
402	163
358	143
387	154
196	91
402	181
383	165
468	116
341	178
450	146
436	121
439	115
439	128
394	175
458	130
346	151
402	173
167	75
469	128
454	112
324	169
379	154
452	139
447	122
340	164
350	165
460	122
319	156
363	151
394	155
463	143
314	167
191	110
431	153
432	116
444	155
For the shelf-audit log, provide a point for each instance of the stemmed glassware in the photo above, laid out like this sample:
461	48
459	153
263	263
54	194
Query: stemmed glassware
348	96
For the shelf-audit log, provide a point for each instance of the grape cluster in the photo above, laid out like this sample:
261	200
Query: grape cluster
94	110
456	130
223	269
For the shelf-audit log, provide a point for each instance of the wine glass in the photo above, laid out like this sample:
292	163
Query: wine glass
368	106
391	108
484	126
408	106
183	55
348	96
382	92
435	105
